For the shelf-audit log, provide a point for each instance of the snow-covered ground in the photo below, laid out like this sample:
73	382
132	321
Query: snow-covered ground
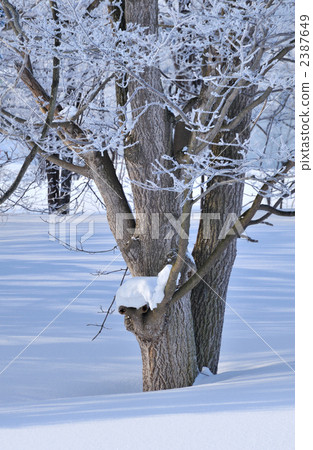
65	391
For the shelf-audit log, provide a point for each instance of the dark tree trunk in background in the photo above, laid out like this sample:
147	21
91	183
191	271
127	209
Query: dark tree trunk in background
59	187
65	188
53	178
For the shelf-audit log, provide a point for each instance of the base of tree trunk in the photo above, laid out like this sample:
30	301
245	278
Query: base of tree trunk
167	345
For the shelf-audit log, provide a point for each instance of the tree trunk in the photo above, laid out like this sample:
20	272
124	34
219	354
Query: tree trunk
53	178
208	298
168	338
59	186
169	356
65	189
167	344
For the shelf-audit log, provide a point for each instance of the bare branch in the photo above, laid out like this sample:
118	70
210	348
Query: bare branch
91	97
211	135
276	205
12	116
179	262
277	212
94	5
13	16
75	139
14	22
28	160
232	234
232	125
40	95
76	134
110	307
280	55
266	216
81	170
81	249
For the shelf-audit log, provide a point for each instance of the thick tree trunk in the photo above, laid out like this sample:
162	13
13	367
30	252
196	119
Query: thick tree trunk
208	298
168	338
167	347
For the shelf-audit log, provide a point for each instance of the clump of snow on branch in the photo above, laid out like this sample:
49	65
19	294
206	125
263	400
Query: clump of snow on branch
140	291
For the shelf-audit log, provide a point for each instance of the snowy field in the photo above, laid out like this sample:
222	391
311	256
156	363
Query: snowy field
66	391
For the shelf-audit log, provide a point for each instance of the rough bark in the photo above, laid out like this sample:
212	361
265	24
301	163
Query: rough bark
166	338
167	344
170	361
152	138
208	298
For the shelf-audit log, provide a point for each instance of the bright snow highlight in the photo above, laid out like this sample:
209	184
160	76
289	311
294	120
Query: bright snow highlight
140	291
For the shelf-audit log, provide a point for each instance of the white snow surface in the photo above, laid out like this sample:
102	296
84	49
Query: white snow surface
65	391
140	291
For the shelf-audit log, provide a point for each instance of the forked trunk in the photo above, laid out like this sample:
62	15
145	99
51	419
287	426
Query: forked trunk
167	337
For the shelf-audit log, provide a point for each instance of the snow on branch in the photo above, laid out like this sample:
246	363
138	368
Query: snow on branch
204	57
254	166
141	291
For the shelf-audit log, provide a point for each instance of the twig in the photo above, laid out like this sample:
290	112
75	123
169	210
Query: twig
248	238
109	309
107	273
232	234
77	249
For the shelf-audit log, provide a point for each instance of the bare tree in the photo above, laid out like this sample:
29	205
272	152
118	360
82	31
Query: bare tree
175	90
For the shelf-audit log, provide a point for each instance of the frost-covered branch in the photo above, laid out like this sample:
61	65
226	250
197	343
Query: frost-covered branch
232	234
28	160
14	18
204	57
233	124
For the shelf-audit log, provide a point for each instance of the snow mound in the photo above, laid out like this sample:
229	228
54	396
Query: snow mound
140	291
